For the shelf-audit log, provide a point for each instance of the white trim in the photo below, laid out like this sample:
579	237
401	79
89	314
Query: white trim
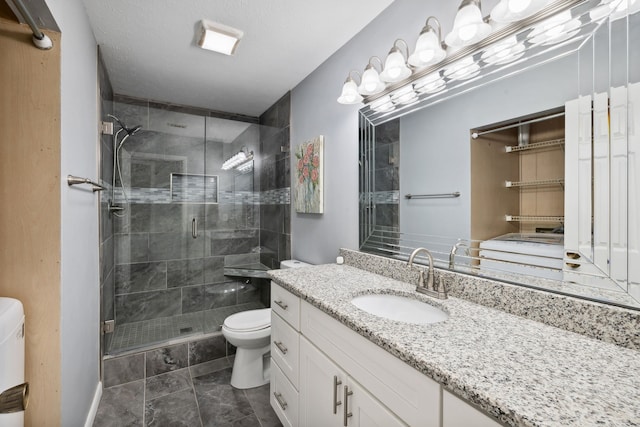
94	406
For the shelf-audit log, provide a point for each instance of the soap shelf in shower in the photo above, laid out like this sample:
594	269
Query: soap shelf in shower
534	145
193	188
248	270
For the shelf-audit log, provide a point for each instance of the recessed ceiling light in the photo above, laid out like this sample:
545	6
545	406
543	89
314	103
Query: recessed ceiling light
218	37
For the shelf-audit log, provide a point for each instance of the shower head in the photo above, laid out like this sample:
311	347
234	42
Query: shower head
129	131
133	131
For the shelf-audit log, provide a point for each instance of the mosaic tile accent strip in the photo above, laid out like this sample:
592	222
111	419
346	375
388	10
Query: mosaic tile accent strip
280	196
381	197
519	371
199	193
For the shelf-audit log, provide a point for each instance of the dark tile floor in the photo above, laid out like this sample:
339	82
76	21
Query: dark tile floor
197	396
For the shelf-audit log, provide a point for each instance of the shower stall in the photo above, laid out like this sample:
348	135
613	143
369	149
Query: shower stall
185	225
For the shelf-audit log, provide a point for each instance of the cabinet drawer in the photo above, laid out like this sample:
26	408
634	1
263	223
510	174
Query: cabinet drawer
410	395
283	398
285	304
285	348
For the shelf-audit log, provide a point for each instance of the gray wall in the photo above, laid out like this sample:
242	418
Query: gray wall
80	294
315	111
435	143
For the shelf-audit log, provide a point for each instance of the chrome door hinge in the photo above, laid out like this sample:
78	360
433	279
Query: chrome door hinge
106	128
108	326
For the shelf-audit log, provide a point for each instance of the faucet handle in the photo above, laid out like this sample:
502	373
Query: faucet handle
421	279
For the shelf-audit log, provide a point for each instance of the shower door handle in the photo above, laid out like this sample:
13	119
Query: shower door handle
194	228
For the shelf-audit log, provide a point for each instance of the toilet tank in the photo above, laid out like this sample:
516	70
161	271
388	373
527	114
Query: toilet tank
11	354
292	263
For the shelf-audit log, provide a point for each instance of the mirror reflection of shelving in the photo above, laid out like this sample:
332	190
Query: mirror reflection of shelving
517	177
517	190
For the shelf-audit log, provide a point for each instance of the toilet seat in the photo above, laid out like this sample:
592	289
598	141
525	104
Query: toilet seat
248	321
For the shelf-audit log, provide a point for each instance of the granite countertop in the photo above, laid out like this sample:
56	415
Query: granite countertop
521	371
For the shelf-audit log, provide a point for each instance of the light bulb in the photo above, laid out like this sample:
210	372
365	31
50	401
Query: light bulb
468	27
394	72
395	68
382	105
467	32
426	55
371	83
405	95
462	70
428	50
430	84
517	6
349	93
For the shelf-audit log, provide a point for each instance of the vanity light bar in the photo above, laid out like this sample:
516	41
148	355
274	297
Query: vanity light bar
509	30
559	24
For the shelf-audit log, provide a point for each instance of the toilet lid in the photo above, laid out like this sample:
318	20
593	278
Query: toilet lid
251	320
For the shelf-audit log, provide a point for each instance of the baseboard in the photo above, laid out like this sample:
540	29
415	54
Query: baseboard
94	405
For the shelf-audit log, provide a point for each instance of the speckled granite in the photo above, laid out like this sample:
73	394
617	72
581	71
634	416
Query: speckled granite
601	321
520	371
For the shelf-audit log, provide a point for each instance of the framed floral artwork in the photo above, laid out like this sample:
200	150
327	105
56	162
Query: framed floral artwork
309	190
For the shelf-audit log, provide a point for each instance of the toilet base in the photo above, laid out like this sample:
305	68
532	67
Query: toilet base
251	367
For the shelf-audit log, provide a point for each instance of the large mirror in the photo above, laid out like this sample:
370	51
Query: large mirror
528	175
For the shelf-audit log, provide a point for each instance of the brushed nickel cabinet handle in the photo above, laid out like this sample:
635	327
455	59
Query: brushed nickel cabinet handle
280	400
281	347
347	414
573	255
336	402
282	305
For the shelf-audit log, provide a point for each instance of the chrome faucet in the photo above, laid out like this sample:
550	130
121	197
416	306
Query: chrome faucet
429	288
454	249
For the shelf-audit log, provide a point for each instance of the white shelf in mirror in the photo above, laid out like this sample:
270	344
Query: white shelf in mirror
513	184
527	218
534	146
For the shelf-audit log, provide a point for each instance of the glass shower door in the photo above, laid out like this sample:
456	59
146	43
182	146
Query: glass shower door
162	189
232	225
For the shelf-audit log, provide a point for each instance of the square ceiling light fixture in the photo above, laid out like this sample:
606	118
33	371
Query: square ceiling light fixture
218	37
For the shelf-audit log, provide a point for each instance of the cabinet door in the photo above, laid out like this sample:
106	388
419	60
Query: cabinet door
458	413
365	410
321	385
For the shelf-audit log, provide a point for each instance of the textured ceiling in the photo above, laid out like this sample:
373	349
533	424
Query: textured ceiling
150	51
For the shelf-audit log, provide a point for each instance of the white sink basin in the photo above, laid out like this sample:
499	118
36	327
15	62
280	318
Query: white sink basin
400	308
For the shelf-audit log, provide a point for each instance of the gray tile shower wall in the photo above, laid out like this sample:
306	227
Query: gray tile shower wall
387	173
172	175
275	182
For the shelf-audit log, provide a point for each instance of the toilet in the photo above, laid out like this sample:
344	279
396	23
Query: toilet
250	332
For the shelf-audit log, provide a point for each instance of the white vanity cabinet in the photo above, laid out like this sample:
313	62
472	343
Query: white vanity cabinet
330	375
330	397
458	413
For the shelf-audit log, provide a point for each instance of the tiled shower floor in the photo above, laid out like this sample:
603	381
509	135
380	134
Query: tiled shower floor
147	332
